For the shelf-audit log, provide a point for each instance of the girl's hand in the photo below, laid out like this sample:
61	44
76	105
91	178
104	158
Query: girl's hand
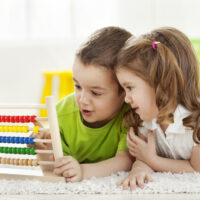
70	168
144	151
137	176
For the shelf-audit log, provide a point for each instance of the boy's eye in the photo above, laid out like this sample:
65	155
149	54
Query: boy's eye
96	93
77	86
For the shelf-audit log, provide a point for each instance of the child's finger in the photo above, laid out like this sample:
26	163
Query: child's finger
148	178
119	183
62	161
126	184
140	182
132	184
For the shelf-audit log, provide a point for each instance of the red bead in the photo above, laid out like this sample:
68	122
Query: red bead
21	119
32	118
12	119
7	118
0	118
3	118
17	119
26	118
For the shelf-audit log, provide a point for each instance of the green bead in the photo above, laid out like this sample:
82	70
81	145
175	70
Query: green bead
28	151
14	151
18	150
1	149
23	150
6	150
10	150
32	151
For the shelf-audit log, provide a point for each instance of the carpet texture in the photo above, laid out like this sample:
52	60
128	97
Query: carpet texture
162	183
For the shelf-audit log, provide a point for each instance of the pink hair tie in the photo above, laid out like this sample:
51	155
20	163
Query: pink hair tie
154	44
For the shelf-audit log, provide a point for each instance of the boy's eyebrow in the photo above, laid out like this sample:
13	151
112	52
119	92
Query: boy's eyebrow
126	83
93	87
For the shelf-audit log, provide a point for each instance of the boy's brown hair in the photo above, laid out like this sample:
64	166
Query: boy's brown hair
172	69
102	48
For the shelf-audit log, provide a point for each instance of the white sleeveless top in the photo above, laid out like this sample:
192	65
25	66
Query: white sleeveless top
177	142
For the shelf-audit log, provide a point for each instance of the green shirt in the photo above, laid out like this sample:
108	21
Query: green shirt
86	144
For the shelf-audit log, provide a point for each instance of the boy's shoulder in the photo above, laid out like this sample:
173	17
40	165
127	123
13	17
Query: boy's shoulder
66	105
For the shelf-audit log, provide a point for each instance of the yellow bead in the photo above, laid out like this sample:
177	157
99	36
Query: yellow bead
6	128
25	129
10	128
15	128
21	128
35	129
1	128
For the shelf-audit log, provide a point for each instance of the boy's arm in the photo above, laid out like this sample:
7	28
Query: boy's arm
121	162
175	166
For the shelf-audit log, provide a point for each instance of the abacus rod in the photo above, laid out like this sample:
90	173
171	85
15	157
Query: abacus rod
41	118
44	151
42	140
45	162
31	106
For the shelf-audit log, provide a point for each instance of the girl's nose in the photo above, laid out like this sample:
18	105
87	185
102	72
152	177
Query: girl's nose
128	99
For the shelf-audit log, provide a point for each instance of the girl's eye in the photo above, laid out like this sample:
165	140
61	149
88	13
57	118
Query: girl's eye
77	86
129	88
96	93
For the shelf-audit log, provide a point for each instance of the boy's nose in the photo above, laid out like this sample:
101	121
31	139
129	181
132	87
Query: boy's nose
83	99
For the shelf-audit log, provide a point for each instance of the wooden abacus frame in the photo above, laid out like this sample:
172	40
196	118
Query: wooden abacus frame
48	174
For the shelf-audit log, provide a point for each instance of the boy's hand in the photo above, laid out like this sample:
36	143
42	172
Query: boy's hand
41	135
144	151
137	176
70	168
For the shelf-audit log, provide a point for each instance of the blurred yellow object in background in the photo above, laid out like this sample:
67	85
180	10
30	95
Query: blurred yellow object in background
66	85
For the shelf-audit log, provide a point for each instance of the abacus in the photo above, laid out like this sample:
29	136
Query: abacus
18	159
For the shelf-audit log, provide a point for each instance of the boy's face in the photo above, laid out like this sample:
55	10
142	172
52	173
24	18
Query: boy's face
96	93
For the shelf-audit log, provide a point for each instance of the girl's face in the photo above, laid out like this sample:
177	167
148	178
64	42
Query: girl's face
139	94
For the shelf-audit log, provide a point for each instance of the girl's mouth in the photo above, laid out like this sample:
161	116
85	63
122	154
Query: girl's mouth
86	112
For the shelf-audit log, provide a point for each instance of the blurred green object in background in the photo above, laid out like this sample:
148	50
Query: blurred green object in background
196	45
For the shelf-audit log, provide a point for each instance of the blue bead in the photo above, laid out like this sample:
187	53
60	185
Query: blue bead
26	140
4	139
12	139
22	140
17	140
31	140
8	139
1	139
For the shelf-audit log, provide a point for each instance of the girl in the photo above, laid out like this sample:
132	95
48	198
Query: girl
159	72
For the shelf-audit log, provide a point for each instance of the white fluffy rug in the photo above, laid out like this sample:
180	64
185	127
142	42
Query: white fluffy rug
162	183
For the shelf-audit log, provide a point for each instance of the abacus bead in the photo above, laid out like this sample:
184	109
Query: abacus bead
3	118
4	139
17	140
22	140
6	149
3	161
17	161
8	161
1	139
25	129
6	128
26	119
28	151
17	119
32	118
8	139
26	140
22	119
7	118
10	150
18	150
29	162
23	150
32	151
10	128
34	162
12	119
12	161
0	118
12	139
1	149
14	150
32	140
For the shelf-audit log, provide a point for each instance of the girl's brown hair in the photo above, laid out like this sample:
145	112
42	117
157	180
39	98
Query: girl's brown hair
172	69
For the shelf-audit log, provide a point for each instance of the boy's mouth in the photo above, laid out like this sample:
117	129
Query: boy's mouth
86	112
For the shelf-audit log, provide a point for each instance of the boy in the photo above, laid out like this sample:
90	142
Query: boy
90	121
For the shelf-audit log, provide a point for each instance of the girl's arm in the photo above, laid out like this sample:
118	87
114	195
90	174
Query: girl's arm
121	162
175	166
146	152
